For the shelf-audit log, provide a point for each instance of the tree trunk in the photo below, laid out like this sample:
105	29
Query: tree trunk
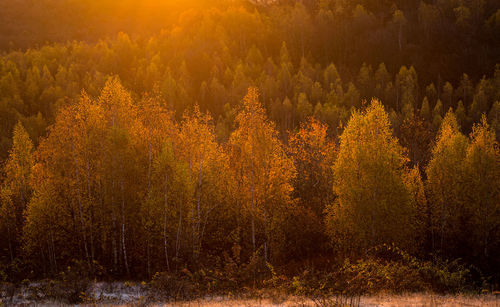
23	205
123	232
150	160
178	237
165	222
198	209
10	244
253	200
113	221
400	37
253	219
148	258
80	207
91	217
267	235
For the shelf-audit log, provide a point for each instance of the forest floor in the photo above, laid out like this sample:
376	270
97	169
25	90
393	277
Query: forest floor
118	294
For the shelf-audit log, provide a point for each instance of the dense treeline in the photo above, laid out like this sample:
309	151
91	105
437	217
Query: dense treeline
121	183
141	154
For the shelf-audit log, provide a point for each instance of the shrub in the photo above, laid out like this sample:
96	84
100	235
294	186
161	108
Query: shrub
387	268
70	285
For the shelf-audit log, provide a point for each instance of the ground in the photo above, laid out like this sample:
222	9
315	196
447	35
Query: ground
136	294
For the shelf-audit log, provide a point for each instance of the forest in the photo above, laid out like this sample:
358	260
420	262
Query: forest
314	145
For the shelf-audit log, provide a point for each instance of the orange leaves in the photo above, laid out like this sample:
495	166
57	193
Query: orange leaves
263	162
261	168
313	153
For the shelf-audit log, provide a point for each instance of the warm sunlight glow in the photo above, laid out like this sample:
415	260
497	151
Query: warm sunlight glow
250	152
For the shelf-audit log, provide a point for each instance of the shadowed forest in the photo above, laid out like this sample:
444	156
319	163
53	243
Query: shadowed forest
315	146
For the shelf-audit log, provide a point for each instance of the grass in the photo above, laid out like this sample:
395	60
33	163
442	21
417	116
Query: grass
408	300
382	300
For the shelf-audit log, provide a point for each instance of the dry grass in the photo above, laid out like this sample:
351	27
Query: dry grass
431	300
410	300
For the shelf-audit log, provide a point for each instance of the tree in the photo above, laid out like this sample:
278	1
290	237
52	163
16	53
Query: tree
263	170
374	205
304	107
157	137
206	172
90	164
461	114
425	110
494	118
18	167
480	101
382	78
313	154
445	182
407	85
351	97
161	210
399	21
416	136
447	95
482	163
8	225
465	90
330	77
16	190
437	114
364	80
122	133
431	93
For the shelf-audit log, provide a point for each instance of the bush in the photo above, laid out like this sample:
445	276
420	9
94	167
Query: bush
169	286
387	268
71	285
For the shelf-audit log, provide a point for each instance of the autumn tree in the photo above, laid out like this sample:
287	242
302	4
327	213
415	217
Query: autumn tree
313	153
445	182
373	205
264	172
416	136
8	226
16	190
482	164
158	135
161	210
88	165
18	168
207	165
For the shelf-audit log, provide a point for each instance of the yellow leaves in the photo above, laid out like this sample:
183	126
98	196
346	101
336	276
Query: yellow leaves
483	138
445	168
463	177
261	162
374	204
18	168
414	183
